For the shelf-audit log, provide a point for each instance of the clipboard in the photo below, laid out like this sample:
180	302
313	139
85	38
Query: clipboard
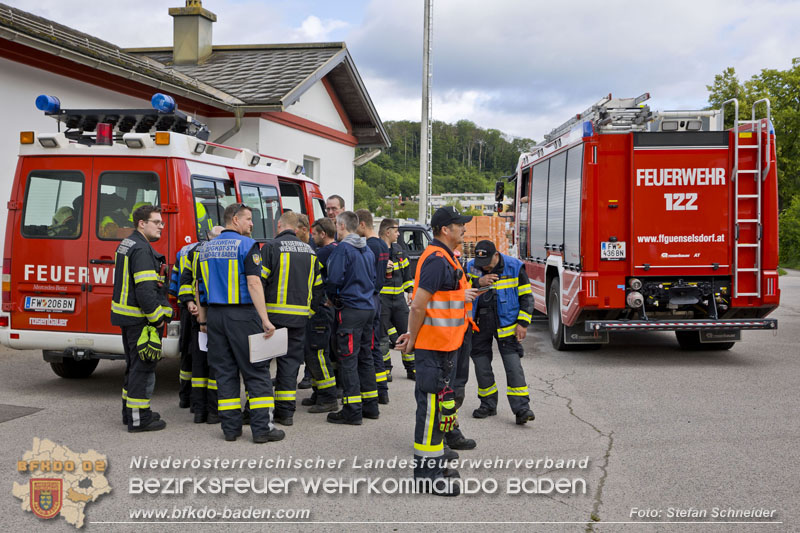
262	349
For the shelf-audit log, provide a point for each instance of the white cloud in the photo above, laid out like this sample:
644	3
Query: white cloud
520	66
313	29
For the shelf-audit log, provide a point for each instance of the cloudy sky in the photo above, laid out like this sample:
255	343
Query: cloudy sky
520	66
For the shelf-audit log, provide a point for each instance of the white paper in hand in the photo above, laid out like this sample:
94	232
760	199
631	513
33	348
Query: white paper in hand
202	340
262	349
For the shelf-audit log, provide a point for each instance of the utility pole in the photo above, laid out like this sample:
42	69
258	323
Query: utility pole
426	138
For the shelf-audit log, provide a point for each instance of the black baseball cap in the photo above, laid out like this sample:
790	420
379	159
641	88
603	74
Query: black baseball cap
484	252
444	216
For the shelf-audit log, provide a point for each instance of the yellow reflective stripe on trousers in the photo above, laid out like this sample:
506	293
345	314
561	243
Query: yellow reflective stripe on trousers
326	383
322	365
199	383
311	278
426	448
381	376
506	331
138	403
229	404
369	394
392	331
387	356
212	384
185	375
488	391
145	275
285	395
517	391
351	399
262	402
407	357
124	393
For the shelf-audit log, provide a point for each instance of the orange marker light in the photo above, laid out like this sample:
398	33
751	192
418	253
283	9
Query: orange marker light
162	137
26	137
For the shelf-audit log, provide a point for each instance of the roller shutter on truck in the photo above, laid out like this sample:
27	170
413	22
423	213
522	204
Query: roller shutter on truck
681	203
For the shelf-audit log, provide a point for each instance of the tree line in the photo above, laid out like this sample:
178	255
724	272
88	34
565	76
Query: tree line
465	158
782	87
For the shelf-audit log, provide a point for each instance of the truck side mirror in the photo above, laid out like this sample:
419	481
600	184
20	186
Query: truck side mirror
499	191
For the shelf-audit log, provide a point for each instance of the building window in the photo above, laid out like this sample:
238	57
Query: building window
311	167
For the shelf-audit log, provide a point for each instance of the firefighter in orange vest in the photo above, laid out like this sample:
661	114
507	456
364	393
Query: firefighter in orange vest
437	323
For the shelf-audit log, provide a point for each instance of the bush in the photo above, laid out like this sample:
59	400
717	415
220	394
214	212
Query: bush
789	234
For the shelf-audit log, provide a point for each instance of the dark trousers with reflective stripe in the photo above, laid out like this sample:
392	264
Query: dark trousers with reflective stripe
288	368
460	383
434	371
185	346
394	314
204	384
318	362
375	348
482	357
229	355
354	350
139	381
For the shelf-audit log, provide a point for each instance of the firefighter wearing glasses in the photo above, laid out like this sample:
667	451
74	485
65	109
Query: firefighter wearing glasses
437	324
230	274
503	312
293	287
140	308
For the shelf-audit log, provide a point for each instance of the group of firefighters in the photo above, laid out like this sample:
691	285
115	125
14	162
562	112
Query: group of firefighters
341	292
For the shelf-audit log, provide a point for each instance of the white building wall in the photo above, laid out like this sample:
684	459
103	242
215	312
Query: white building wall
315	104
336	172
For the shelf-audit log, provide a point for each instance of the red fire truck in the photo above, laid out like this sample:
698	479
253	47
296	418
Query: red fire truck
71	204
630	220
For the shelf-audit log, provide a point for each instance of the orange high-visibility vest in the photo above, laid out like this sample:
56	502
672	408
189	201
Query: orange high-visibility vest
447	313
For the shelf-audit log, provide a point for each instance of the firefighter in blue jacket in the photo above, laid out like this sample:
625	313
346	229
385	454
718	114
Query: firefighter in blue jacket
230	268
503	312
190	295
350	286
140	308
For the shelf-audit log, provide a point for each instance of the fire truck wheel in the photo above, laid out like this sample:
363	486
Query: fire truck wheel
556	326
690	340
72	369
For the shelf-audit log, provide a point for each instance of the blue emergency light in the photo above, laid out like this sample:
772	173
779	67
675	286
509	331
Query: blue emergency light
588	129
163	103
48	104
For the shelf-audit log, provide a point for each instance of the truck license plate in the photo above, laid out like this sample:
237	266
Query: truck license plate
612	251
49	305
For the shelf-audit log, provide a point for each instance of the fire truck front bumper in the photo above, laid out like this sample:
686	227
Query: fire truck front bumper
680	325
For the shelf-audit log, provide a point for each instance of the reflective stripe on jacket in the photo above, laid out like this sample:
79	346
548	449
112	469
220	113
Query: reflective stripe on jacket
447	312
139	294
221	264
510	295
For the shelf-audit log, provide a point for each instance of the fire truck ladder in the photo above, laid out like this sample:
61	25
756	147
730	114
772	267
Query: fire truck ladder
610	115
744	201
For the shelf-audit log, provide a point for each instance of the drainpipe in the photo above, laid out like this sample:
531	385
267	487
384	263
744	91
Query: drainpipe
238	113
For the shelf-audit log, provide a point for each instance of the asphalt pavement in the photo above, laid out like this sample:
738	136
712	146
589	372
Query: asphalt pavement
654	432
